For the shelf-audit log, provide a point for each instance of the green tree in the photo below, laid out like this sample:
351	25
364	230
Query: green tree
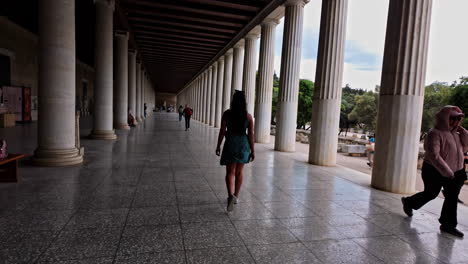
275	98
304	107
436	95
459	97
365	111
347	105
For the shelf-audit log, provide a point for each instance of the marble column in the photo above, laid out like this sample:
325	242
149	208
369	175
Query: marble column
142	91
138	92
219	92
263	99
401	96
197	97
328	82
103	68
208	94
237	67
214	89
203	96
285	139
227	80
248	76
121	81
57	62
132	82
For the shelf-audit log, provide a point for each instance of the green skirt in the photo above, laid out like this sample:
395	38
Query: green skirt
236	149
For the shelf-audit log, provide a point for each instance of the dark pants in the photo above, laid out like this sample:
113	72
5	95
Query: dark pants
187	122
180	117
433	182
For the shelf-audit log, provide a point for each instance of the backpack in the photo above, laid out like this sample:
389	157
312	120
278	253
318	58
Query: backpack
189	111
3	151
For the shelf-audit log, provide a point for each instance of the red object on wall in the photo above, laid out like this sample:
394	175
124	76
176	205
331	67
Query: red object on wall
26	104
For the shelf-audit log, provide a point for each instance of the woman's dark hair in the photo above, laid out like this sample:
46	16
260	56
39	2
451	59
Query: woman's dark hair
238	113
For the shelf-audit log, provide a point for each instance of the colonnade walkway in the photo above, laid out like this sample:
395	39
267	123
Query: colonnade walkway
157	195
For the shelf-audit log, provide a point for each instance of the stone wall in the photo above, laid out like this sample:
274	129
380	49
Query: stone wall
168	98
22	47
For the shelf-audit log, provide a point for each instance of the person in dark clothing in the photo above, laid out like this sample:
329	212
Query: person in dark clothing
443	167
188	112
145	108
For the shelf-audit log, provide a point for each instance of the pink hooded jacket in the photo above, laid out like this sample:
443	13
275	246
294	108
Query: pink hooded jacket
444	146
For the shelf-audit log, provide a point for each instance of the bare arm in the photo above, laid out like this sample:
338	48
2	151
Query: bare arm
222	132
251	137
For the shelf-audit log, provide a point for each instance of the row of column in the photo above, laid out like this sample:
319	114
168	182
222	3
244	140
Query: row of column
401	95
113	98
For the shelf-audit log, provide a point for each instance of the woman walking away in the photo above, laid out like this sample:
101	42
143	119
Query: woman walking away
238	148
181	112
443	167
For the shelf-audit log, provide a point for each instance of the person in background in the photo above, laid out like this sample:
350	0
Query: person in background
443	166
130	119
145	108
370	147
238	148
188	112
181	112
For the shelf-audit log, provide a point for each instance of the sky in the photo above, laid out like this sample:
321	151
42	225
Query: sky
365	37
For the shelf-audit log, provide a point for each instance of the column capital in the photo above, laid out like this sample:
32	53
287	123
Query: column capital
134	51
252	36
121	33
221	58
296	2
110	3
229	52
270	21
239	44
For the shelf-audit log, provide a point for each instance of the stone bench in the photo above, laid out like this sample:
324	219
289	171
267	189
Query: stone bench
354	150
9	168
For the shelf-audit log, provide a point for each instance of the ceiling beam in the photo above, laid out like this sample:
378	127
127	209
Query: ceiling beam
178	7
166	40
231	4
164	43
182	31
136	20
173	52
185	18
175	49
135	31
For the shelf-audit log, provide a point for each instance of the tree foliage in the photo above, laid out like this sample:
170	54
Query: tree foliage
436	96
365	111
459	97
304	107
275	98
347	105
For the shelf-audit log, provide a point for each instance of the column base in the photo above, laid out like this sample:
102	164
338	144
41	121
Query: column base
122	126
57	157
138	119
103	134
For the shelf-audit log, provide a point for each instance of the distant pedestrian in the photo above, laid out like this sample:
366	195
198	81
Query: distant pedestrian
370	147
181	112
145	108
188	112
131	119
238	149
443	166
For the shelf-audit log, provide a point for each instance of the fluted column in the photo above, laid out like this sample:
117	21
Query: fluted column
401	95
285	139
132	82
237	67
328	80
197	99
138	92
208	94
57	62
227	83
248	75
121	81
219	92
103	62
263	99
142	91
214	88
204	95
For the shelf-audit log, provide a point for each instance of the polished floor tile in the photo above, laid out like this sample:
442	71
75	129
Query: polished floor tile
157	195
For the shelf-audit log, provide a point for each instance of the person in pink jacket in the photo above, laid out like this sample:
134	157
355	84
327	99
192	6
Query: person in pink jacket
443	166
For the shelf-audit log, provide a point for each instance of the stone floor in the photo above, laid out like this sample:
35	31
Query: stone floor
157	195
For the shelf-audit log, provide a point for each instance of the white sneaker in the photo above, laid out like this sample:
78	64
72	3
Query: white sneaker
230	203
236	200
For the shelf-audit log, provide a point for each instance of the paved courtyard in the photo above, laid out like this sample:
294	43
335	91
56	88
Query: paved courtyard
157	195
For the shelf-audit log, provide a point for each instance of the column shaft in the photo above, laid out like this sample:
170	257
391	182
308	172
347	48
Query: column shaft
132	82
248	76
138	92
285	139
265	82
204	95
103	63
227	85
121	81
237	68
328	81
214	88
57	62
219	92
208	95
401	95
